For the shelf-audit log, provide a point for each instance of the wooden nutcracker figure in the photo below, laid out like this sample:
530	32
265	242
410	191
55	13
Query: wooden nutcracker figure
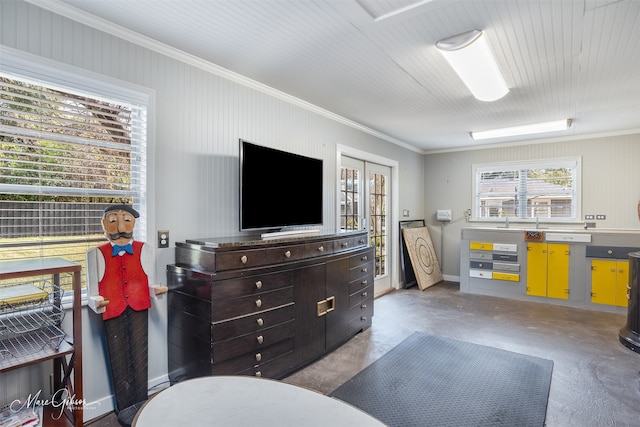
119	277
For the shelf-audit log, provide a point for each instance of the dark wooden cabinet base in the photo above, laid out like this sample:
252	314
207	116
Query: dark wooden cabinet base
265	308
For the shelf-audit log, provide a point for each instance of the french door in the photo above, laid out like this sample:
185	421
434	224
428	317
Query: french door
362	181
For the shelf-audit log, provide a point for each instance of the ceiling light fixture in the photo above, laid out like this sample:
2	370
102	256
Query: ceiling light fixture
470	56
556	125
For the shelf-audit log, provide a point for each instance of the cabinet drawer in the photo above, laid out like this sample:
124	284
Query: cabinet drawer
224	350
505	257
282	254
480	255
481	264
241	259
511	277
318	249
480	274
503	266
358	260
358	298
224	309
360	283
362	319
344	244
252	285
505	247
360	271
253	359
481	246
247	324
275	368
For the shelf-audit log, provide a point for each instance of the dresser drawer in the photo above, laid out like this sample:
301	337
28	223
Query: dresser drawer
480	274
318	249
481	264
361	296
358	260
505	257
481	246
480	255
237	326
257	341
360	271
275	368
344	244
505	247
232	260
510	277
224	309
253	359
361	319
282	254
503	266
252	285
360	283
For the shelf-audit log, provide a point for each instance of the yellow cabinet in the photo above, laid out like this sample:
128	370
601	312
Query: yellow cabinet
548	270
609	280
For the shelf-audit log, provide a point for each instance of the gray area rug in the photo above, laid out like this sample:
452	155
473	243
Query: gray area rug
434	381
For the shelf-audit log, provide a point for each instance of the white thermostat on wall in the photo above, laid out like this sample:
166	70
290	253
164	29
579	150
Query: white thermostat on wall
443	214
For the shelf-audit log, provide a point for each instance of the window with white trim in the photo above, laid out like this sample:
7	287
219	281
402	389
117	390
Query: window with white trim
544	190
65	154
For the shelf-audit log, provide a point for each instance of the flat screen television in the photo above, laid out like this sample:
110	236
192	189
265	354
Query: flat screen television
278	189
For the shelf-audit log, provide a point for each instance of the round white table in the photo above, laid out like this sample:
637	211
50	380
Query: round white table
246	401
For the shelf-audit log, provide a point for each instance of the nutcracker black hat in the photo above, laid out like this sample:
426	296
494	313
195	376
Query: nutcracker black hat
126	208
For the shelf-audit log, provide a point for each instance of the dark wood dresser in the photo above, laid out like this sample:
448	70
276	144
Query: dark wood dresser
265	307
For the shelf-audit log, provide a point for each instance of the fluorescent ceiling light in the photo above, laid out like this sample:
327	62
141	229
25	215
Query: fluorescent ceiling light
523	130
470	56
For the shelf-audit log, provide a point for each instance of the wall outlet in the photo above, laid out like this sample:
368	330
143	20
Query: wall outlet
589	217
405	213
163	239
443	214
601	217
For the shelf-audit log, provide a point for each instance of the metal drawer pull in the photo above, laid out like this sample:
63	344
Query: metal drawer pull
326	306
364	270
364	282
321	248
259	284
287	254
361	241
363	306
363	318
345	244
259	321
258	357
244	259
260	339
364	258
331	304
364	294
258	374
258	303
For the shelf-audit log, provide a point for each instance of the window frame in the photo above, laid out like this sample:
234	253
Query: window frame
24	66
574	163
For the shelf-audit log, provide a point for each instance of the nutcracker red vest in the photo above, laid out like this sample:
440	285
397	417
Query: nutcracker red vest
124	283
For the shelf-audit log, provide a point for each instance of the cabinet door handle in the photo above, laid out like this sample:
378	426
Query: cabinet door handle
260	339
258	303
331	304
259	284
287	254
244	259
321	248
259	321
258	357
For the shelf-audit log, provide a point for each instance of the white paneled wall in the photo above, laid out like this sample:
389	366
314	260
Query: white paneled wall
197	119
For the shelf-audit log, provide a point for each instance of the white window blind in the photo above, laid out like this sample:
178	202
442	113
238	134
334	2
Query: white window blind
65	154
546	191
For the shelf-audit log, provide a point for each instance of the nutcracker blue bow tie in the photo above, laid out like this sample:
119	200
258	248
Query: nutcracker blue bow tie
117	248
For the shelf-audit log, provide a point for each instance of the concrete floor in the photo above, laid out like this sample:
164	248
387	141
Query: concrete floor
596	380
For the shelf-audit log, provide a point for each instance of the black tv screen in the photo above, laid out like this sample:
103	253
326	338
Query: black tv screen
278	189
